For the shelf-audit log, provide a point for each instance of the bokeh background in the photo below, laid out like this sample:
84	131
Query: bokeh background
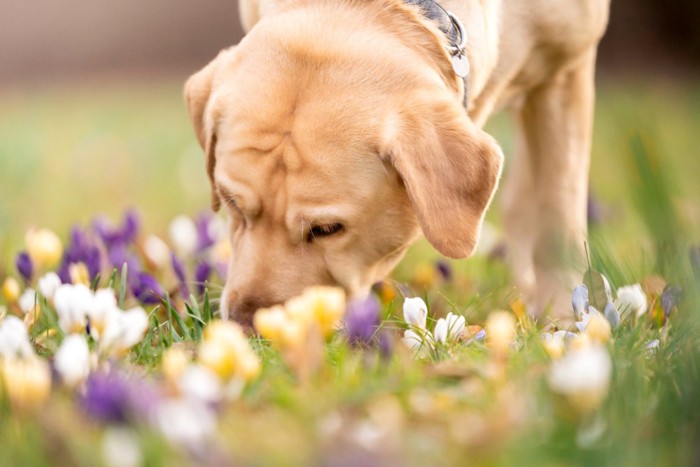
92	118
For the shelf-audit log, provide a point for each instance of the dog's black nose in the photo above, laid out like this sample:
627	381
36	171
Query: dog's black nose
242	311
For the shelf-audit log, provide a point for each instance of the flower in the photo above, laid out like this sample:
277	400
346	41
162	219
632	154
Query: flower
24	266
362	320
14	340
320	305
104	304
48	284
44	247
122	235
121	448
200	383
174	362
207	234
555	343
500	331
111	397
201	275
416	342
185	421
72	360
27	381
27	301
146	288
582	376
10	289
415	312
669	298
72	303
81	249
119	256
183	235
612	315
179	270
271	323
579	301
123	330
631	298
79	274
226	351
156	251
449	328
443	267
595	325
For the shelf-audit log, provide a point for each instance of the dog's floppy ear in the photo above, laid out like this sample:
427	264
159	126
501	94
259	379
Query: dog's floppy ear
198	90
450	169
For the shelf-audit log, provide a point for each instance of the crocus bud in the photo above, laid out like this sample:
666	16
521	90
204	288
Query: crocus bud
25	267
48	284
500	331
579	301
174	363
10	290
27	382
44	247
582	376
183	234
72	360
415	312
631	299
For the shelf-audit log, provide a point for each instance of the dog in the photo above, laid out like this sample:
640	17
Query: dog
338	131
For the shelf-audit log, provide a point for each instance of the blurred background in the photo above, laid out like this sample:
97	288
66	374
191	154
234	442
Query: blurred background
92	118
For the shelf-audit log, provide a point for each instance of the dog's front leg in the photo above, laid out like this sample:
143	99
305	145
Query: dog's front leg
546	193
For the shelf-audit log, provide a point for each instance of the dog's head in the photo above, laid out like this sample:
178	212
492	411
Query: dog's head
331	145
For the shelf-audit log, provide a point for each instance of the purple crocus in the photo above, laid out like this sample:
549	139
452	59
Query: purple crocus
124	234
25	266
201	275
670	298
119	256
81	249
362	321
204	237
444	269
112	397
146	288
179	270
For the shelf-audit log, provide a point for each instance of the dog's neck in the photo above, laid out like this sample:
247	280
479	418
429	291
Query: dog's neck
453	29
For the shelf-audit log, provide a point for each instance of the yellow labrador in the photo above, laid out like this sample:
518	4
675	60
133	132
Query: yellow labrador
336	133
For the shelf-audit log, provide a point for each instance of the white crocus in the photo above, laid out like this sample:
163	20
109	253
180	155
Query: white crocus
72	360
14	341
157	251
48	284
185	421
103	307
415	312
417	342
183	234
121	448
582	376
123	330
455	325
449	328
200	383
555	343
72	303
440	331
27	301
631	298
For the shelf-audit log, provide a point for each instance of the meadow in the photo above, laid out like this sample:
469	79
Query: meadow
186	391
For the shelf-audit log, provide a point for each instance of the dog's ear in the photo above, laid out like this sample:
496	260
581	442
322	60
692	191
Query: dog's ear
198	90
450	169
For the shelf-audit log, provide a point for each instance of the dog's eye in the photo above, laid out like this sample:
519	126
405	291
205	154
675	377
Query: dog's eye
324	230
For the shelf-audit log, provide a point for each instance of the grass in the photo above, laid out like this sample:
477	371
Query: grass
68	153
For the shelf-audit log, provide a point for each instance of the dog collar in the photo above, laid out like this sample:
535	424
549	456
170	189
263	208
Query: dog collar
456	35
